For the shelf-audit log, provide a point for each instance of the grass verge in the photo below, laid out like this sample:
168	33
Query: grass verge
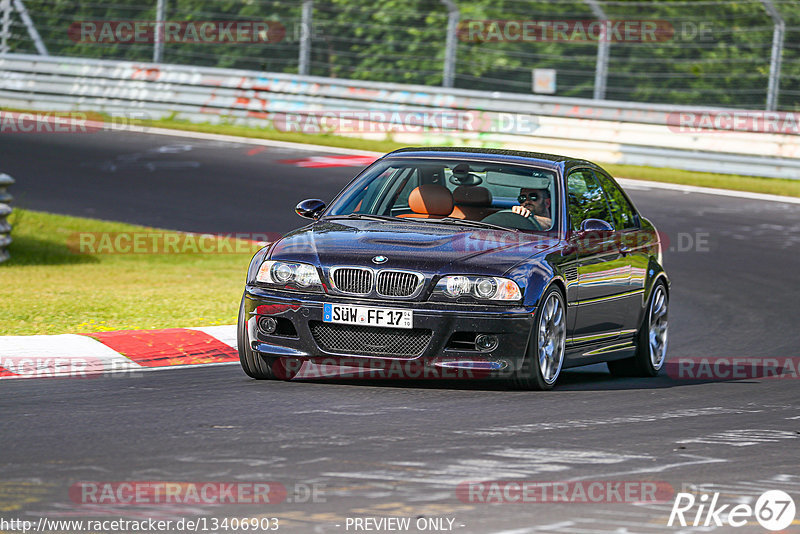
50	287
771	186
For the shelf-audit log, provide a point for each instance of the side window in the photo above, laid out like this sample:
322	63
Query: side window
624	215
585	199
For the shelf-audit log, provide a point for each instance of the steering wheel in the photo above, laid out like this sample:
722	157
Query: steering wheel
510	219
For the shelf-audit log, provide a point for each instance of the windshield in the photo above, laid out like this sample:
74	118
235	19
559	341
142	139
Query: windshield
510	196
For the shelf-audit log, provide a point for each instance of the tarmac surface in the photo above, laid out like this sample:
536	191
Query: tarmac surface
393	449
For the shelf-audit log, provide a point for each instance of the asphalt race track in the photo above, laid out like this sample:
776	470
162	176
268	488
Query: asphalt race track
393	449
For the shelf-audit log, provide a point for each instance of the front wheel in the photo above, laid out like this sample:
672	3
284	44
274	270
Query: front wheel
545	356
651	340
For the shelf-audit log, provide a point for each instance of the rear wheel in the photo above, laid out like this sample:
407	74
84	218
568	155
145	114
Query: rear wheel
545	357
651	340
256	365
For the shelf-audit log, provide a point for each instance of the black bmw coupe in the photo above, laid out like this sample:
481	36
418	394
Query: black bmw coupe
439	262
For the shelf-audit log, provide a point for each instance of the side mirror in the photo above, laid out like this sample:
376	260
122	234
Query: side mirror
310	209
596	225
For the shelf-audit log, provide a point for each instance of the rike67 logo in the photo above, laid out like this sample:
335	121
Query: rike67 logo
774	510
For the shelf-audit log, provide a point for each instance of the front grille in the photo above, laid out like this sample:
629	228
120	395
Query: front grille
370	340
398	283
352	280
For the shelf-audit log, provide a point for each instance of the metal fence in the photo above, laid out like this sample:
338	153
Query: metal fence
732	53
603	131
5	211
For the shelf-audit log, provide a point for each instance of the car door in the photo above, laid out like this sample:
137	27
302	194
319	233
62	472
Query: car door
603	271
632	245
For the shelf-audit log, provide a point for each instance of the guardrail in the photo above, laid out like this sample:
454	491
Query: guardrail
5	211
603	131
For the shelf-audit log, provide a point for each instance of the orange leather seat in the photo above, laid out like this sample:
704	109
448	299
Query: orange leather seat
429	201
472	202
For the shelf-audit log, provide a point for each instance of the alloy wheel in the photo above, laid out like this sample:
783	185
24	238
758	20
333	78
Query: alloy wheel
552	337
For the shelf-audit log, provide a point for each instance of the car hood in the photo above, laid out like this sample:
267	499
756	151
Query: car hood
428	247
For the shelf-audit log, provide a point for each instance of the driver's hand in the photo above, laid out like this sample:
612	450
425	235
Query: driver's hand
519	210
544	222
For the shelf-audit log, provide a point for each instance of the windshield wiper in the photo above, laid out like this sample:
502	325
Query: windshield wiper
366	216
467	222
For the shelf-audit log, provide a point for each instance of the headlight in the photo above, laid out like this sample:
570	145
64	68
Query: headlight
485	288
289	275
479	287
456	286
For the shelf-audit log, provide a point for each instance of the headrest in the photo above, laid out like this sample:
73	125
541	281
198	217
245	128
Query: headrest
431	199
465	195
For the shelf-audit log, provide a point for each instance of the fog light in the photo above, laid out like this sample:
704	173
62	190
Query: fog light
486	342
267	325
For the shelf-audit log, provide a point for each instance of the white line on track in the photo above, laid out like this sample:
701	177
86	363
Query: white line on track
188	366
646	184
236	139
693	461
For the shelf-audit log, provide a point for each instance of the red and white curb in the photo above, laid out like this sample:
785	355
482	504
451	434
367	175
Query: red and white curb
127	352
124	351
323	162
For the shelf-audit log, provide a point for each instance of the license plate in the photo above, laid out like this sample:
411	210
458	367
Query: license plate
367	316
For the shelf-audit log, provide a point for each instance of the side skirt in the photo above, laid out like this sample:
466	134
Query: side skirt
590	354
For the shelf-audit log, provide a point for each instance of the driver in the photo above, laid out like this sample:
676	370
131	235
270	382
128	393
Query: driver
535	204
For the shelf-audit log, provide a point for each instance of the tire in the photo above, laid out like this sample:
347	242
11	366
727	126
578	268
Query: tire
651	339
257	365
544	359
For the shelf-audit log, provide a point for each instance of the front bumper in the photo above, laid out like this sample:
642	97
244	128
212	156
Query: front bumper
511	327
